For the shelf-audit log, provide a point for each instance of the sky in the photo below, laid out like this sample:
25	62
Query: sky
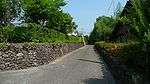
85	12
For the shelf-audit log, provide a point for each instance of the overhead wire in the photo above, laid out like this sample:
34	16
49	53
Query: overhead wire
112	5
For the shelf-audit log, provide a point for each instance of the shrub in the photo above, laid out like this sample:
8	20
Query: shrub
6	33
35	33
130	54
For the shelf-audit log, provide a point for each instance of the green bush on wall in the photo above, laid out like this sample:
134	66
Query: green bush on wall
35	33
6	33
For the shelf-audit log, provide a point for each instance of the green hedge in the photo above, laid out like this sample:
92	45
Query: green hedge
131	54
35	33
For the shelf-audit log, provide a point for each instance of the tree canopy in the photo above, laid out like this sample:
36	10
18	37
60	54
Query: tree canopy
102	29
35	17
47	13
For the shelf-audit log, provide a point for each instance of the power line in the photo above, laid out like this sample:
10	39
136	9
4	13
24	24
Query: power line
112	3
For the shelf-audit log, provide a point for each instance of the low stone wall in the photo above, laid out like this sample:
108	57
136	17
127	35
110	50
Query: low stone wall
22	56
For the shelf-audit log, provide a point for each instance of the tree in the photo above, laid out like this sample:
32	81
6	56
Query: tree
39	11
102	29
63	22
139	17
48	13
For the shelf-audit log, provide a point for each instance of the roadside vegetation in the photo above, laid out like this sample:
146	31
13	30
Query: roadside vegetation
126	37
39	21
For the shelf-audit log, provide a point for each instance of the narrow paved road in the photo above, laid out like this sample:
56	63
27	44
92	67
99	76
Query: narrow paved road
82	66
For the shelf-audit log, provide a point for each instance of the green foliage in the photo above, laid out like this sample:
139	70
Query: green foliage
138	18
48	13
3	45
39	11
35	33
44	22
86	39
6	33
62	22
123	20
132	54
102	29
147	37
9	9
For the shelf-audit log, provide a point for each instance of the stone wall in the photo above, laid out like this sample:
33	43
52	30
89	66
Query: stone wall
22	56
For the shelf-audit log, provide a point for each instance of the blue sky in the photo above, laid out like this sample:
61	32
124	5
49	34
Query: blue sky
85	12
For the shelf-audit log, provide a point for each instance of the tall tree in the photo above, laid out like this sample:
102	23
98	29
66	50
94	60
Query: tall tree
39	11
49	13
102	29
62	22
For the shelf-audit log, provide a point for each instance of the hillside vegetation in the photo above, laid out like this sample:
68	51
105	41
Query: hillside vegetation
36	21
126	37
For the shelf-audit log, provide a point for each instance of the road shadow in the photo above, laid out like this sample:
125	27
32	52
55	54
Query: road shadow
94	81
105	77
89	61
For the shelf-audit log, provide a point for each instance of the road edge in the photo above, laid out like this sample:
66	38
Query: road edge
35	69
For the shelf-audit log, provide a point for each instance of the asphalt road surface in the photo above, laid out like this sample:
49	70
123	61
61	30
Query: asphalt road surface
83	66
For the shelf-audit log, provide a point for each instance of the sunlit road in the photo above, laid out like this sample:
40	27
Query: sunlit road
82	66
